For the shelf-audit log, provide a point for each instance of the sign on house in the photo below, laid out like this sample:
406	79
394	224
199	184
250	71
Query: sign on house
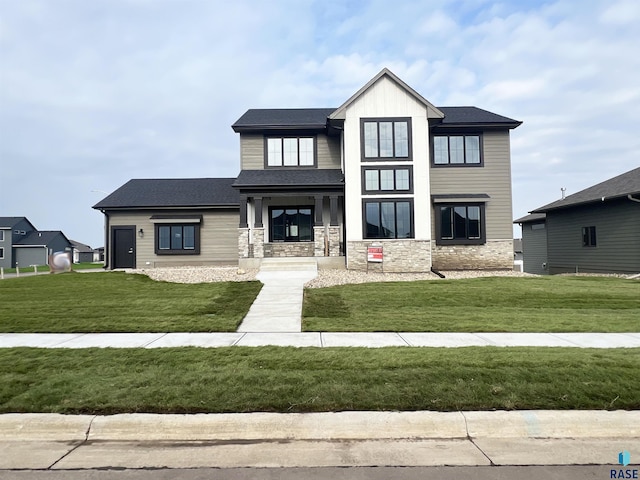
374	254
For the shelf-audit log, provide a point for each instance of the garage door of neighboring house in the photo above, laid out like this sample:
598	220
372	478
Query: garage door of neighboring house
124	244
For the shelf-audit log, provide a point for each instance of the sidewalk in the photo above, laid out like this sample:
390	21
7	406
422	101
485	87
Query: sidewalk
318	339
342	439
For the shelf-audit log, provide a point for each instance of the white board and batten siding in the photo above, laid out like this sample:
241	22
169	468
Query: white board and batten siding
387	99
218	237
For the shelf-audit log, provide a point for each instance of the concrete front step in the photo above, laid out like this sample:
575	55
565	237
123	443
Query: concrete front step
288	264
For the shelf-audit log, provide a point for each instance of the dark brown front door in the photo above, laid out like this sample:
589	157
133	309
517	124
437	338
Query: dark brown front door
124	255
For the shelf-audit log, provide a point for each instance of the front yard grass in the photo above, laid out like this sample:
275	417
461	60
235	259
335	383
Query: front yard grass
275	379
491	304
120	302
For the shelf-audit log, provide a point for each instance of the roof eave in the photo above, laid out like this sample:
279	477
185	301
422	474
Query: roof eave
261	128
445	126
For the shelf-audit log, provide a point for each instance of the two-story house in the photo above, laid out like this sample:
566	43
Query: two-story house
385	181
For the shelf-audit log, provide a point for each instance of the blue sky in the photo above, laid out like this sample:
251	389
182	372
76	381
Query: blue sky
94	93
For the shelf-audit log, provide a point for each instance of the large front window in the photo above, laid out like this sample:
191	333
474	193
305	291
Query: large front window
293	224
386	139
387	179
290	152
388	219
460	224
456	150
177	239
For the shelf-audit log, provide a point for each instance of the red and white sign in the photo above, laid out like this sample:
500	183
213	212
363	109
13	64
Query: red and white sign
374	254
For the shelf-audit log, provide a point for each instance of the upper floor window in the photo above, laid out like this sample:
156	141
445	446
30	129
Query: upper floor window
1	235
386	138
386	180
460	224
457	150
290	152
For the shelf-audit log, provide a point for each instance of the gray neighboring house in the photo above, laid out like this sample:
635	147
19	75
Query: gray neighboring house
386	181
82	252
12	231
168	222
595	230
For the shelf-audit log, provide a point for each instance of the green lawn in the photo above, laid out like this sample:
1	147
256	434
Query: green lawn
491	304
120	302
274	379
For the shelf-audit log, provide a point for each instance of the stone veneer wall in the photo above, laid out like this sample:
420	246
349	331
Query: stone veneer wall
494	255
334	241
243	243
289	249
318	240
398	255
258	242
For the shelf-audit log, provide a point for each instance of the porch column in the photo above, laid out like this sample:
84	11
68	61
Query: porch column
257	201
318	217
243	212
333	205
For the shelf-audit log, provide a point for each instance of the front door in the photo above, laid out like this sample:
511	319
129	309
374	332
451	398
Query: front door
124	255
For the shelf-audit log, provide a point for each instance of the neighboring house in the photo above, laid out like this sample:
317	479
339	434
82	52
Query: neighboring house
517	255
427	187
82	252
98	254
595	230
22	245
534	243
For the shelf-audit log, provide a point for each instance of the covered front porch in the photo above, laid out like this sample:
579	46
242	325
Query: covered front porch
291	214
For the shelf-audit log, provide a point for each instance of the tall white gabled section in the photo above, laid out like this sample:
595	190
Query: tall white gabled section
386	97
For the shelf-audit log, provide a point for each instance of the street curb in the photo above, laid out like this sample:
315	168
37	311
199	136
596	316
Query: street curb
528	424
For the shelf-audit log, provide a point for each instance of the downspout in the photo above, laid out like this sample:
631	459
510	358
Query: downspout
630	197
107	249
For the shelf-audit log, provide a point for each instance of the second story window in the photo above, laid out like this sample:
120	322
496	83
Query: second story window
387	179
457	150
386	139
290	152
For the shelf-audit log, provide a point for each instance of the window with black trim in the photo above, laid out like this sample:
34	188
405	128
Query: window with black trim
1	235
291	224
388	218
460	224
290	151
386	138
176	239
457	150
1	252
387	179
588	236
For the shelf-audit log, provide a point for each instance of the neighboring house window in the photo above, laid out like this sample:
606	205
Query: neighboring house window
387	179
460	224
386	138
1	235
588	236
176	239
388	218
291	224
290	152
457	150
1	252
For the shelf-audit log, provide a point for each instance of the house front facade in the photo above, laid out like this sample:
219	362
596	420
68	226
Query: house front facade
22	245
386	181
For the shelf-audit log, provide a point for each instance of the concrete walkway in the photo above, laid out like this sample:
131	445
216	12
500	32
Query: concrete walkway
278	306
318	339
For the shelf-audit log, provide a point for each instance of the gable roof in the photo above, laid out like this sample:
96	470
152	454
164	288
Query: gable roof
10	222
432	111
282	119
625	184
531	218
81	247
475	117
284	178
172	192
42	237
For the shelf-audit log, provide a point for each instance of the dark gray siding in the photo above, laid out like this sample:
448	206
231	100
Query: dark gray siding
617	237
5	244
534	248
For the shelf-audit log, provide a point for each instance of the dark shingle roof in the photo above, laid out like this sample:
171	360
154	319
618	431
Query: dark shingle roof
172	192
81	247
626	184
459	116
284	118
315	118
40	238
533	217
282	178
11	221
